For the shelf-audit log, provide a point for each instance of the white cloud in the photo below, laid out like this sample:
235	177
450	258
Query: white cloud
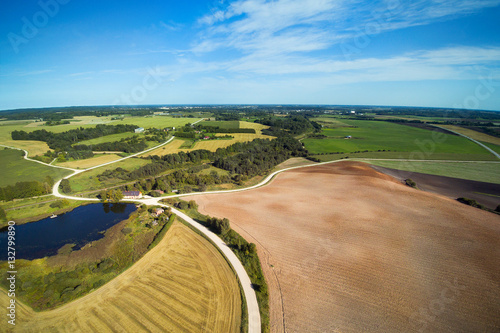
271	27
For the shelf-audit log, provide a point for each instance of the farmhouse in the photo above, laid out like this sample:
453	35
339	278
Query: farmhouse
132	194
139	130
158	211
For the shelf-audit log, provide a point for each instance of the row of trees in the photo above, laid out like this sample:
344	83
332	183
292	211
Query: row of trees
64	140
294	125
242	158
128	145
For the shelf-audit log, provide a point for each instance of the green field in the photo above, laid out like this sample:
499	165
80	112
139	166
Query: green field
479	171
494	147
6	128
108	138
16	169
409	142
87	181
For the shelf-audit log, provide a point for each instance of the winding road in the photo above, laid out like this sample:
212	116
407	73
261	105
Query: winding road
254	322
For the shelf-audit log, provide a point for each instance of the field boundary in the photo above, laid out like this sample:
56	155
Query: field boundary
471	139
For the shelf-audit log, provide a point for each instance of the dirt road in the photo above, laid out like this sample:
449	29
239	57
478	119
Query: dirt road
347	249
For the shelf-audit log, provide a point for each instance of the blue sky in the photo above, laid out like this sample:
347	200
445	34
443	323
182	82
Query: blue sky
432	53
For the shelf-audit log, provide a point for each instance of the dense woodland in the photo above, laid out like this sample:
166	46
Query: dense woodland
294	125
26	189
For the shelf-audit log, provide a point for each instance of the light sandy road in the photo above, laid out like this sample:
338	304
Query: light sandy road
254	322
471	139
32	160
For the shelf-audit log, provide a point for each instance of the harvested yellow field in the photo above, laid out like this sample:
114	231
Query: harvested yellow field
171	148
474	134
34	148
257	127
213	145
181	285
90	162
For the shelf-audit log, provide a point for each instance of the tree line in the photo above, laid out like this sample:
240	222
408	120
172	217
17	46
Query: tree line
63	141
294	125
26	189
245	159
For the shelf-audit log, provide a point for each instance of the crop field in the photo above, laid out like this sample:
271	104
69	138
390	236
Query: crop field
108	138
373	136
488	172
90	162
37	147
15	168
156	121
212	145
347	249
171	148
330	122
256	126
474	134
181	285
495	148
222	124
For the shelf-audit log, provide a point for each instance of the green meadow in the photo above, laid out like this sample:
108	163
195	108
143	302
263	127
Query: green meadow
479	171
378	138
15	169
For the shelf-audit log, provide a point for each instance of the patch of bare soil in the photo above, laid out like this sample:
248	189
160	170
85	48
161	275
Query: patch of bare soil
348	249
487	194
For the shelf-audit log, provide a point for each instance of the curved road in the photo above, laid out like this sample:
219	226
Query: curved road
471	139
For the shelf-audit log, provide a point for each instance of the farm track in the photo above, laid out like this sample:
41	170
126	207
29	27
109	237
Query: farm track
182	285
354	250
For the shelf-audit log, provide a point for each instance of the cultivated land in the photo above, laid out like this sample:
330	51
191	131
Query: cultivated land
181	285
488	172
38	148
98	159
400	140
345	248
474	134
213	145
14	168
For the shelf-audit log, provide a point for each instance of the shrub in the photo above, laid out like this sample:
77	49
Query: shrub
470	202
410	183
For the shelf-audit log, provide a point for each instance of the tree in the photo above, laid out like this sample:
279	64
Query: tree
3	215
116	195
65	186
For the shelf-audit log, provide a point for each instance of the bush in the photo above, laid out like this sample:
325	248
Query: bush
470	202
410	183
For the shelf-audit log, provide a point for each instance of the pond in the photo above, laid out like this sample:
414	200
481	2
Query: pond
82	225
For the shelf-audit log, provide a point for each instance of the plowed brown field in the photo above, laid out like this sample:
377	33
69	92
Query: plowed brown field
182	285
348	249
